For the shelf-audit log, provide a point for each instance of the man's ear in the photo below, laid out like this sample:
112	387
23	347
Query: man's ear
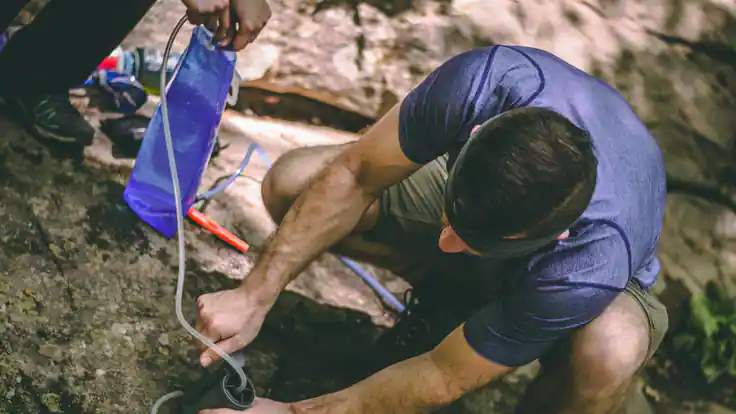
450	242
564	235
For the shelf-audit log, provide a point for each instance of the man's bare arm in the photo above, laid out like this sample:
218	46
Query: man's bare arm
417	385
332	206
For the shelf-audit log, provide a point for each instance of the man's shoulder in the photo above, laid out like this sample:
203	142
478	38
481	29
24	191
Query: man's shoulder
596	255
497	60
487	81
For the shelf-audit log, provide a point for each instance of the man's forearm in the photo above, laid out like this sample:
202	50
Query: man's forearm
412	386
324	213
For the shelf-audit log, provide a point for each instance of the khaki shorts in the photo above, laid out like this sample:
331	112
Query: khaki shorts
411	215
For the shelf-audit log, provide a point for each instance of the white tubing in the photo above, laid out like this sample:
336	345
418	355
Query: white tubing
180	230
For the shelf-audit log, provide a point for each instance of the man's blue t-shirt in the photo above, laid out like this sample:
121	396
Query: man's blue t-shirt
572	282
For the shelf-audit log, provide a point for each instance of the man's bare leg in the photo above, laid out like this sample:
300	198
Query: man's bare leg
593	370
442	297
294	171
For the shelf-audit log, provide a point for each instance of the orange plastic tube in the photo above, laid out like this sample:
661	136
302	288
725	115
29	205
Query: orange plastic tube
219	231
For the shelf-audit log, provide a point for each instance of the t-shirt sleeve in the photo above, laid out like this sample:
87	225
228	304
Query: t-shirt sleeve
464	91
570	289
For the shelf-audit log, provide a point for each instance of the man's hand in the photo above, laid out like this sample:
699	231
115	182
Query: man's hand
421	384
206	6
230	318
239	21
261	406
252	17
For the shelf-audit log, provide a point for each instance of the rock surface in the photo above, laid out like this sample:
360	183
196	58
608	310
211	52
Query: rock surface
86	293
674	60
87	290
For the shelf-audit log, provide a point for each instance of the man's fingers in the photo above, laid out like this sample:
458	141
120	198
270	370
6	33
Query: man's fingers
229	345
212	22
255	35
198	325
203	325
224	27
208	20
243	36
207	6
195	18
203	300
202	329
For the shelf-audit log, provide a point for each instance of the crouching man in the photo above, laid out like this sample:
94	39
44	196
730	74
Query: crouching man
534	194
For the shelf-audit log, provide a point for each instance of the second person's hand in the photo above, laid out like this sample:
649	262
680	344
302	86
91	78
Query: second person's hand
238	23
252	17
206	6
229	318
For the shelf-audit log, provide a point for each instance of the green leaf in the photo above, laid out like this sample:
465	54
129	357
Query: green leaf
56	251
711	333
684	342
711	373
707	357
723	351
719	300
702	316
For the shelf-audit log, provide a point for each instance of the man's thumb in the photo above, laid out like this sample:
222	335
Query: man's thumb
229	346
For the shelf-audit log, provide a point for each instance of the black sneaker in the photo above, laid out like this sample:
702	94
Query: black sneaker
434	308
56	119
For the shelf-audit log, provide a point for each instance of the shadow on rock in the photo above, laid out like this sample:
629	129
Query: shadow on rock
111	221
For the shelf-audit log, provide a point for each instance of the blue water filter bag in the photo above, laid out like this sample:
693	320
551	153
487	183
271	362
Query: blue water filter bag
196	100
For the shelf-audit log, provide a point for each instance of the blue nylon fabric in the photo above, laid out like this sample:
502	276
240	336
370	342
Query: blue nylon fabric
196	100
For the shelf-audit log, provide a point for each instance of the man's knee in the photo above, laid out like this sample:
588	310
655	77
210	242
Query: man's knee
291	174
609	352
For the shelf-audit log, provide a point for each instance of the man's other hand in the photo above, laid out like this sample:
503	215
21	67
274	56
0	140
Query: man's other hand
236	22
252	17
206	6
229	318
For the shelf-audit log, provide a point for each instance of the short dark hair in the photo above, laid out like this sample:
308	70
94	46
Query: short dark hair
529	171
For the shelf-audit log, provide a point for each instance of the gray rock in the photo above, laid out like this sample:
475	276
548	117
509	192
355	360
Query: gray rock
87	295
87	291
674	61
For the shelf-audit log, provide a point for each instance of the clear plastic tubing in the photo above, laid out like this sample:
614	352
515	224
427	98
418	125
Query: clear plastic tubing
180	232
